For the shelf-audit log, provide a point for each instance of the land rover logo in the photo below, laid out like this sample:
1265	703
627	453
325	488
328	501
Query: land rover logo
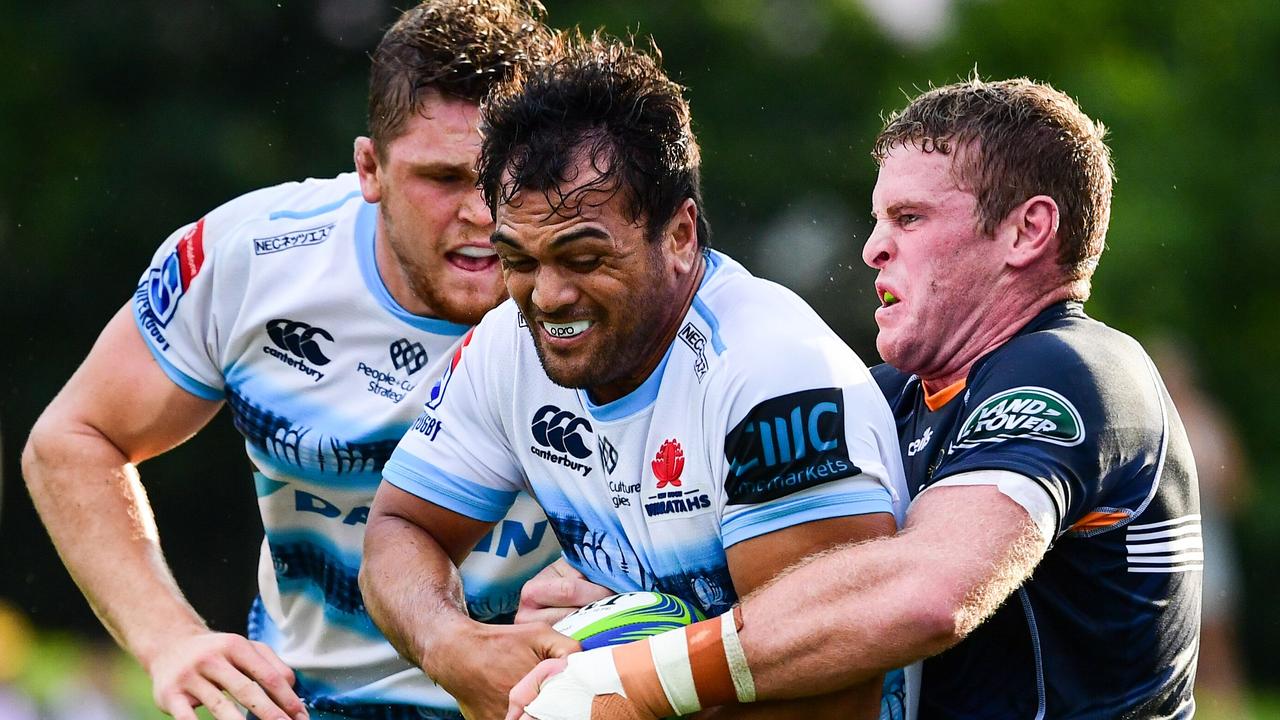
1034	413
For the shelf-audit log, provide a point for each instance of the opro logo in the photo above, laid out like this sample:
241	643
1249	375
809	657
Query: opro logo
299	339
558	430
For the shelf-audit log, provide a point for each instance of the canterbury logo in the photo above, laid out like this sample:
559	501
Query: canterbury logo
299	339
558	429
408	356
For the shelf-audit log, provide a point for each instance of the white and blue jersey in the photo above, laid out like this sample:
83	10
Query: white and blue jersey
758	418
274	303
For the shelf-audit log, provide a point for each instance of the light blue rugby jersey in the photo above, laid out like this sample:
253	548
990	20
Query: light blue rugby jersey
757	419
273	302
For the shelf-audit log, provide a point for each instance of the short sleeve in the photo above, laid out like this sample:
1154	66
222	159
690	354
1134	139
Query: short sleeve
809	437
1036	410
454	455
195	284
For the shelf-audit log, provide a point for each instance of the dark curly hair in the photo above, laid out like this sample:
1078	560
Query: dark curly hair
460	48
1018	139
606	101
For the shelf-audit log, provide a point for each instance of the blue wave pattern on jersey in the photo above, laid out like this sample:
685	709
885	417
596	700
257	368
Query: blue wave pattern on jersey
300	447
302	566
321	700
609	557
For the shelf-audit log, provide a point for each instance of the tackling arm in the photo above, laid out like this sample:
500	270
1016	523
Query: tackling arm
757	562
835	620
80	464
858	611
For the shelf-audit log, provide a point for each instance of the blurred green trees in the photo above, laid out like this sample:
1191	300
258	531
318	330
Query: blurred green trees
120	122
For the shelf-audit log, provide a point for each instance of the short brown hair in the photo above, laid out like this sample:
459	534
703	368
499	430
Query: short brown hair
1020	139
460	48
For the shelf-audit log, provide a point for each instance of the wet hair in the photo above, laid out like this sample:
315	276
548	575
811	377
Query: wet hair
1016	139
460	48
605	101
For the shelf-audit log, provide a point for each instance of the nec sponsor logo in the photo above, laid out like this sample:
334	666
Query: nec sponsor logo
697	342
300	340
786	444
278	243
562	432
164	286
668	466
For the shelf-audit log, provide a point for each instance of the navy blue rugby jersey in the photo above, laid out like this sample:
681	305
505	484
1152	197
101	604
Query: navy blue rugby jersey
1108	625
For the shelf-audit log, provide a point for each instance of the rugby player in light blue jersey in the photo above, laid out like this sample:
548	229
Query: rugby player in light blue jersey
686	426
320	312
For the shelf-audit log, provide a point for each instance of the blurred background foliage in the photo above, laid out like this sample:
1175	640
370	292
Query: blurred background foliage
121	121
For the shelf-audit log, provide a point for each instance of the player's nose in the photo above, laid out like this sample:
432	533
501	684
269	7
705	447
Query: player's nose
879	247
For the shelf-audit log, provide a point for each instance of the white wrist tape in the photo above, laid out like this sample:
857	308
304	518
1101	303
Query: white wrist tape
569	695
671	659
743	683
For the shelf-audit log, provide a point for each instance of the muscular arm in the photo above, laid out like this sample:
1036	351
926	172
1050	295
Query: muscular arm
80	464
412	589
757	562
409	575
854	612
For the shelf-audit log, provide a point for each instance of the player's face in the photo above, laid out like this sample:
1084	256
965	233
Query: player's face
600	299
937	268
433	224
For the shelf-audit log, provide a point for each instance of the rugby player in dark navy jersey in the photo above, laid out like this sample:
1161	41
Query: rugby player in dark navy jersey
1051	562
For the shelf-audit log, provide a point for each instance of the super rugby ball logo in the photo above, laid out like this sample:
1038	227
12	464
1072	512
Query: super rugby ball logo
1031	413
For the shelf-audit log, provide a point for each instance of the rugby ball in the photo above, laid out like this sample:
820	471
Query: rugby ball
625	617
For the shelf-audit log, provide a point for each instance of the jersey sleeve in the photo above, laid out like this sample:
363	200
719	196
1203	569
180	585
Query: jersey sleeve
189	297
455	455
1035	410
809	437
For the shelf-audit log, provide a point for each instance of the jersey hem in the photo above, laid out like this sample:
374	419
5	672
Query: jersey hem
797	511
174	373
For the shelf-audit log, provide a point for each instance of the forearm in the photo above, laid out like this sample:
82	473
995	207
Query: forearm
411	587
861	610
838	620
91	501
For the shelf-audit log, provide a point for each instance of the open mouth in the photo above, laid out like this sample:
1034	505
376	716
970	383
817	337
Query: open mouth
473	258
565	330
887	299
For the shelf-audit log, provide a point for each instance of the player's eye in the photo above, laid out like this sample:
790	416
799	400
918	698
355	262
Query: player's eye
583	263
516	263
907	218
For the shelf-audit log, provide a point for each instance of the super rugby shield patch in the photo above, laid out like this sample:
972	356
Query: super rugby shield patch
1030	413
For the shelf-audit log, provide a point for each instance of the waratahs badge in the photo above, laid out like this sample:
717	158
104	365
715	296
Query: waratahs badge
668	463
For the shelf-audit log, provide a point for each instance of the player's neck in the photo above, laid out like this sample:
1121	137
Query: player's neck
998	329
394	276
658	349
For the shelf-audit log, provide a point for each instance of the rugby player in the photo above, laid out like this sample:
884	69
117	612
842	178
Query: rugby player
687	427
320	312
1051	561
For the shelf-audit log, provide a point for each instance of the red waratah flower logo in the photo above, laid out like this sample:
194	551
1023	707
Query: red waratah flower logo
668	463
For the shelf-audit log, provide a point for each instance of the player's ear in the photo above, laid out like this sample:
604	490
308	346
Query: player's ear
366	160
1030	231
681	237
